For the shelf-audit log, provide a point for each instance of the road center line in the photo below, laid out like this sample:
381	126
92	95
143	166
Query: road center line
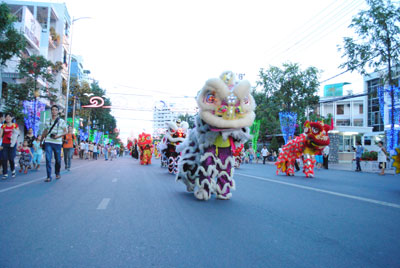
29	182
382	203
104	203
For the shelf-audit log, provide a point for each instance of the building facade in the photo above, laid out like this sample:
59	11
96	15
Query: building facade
46	27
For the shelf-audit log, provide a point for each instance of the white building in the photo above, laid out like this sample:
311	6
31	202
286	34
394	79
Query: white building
166	111
46	27
350	118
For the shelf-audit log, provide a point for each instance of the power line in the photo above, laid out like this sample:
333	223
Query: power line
321	32
331	19
297	30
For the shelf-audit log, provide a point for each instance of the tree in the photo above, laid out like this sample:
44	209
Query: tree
32	70
11	41
378	42
190	119
289	89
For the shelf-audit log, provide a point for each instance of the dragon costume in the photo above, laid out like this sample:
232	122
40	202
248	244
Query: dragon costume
176	133
226	110
306	146
145	143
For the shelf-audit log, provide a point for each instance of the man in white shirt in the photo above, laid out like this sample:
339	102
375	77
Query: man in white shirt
325	154
55	128
264	153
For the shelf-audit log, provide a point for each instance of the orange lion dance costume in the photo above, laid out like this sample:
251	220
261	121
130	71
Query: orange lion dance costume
311	142
145	144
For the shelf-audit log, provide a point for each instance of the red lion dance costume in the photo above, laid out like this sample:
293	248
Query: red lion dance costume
311	142
145	144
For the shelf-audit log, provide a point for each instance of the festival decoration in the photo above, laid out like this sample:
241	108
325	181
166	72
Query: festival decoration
396	160
288	124
226	111
392	134
176	133
96	102
145	143
254	131
32	110
306	146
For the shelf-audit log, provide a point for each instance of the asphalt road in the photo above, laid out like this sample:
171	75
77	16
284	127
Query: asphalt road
121	214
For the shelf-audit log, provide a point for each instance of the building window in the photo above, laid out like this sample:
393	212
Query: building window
340	109
374	119
343	122
358	122
361	109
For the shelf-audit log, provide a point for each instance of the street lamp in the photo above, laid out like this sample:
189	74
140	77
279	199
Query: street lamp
69	64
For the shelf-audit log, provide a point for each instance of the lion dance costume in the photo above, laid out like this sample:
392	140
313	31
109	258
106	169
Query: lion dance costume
175	134
145	144
307	145
238	154
226	110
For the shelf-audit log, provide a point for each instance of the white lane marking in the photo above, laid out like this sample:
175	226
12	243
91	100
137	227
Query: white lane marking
373	201
29	182
104	203
114	180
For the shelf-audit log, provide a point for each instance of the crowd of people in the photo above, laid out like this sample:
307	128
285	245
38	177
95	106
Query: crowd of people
56	140
57	135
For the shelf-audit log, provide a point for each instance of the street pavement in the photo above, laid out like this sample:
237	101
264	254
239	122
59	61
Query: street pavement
121	214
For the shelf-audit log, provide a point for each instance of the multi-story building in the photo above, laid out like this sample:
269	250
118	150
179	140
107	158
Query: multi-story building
379	109
164	112
46	27
349	115
77	70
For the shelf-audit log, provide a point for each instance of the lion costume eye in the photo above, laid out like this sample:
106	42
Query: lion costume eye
315	130
210	98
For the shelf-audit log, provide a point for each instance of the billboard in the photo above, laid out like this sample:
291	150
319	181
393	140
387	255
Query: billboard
334	90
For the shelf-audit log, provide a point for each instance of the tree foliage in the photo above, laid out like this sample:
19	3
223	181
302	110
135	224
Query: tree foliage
100	118
284	89
378	42
35	72
11	41
190	119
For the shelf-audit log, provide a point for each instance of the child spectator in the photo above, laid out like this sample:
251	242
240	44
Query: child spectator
37	153
25	158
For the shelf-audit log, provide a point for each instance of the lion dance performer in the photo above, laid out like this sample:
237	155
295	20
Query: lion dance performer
309	143
156	151
238	154
226	110
175	134
145	144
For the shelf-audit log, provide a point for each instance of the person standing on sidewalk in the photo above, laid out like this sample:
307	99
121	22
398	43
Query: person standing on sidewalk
359	151
55	128
264	153
69	143
9	133
325	155
382	158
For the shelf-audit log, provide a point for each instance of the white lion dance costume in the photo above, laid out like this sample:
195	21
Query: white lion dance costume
226	110
175	134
